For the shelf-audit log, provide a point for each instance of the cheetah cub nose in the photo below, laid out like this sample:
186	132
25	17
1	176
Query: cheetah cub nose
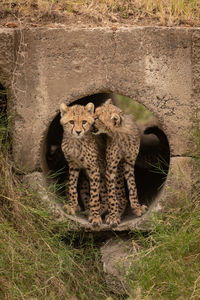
78	132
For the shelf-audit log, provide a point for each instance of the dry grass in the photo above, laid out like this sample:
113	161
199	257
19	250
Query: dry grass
162	12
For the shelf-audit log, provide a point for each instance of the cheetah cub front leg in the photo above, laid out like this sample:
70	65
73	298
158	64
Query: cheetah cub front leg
72	207
113	218
136	207
94	215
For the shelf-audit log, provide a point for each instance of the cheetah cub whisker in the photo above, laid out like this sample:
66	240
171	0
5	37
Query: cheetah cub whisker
123	142
82	151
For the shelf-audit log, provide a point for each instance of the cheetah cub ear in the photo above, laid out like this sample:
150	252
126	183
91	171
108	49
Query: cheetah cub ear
63	109
90	107
116	119
109	101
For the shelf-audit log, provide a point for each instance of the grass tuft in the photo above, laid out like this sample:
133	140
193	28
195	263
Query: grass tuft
168	265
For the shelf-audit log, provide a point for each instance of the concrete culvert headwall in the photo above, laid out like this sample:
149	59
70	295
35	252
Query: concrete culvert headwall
157	67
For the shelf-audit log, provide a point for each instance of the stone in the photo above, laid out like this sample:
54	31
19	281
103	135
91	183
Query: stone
117	256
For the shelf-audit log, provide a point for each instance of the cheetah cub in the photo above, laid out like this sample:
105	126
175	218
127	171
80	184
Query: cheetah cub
123	142
82	151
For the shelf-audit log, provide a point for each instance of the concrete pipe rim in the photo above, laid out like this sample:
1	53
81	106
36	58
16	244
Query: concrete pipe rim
148	192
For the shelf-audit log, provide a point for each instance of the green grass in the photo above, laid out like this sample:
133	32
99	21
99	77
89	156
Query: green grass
168	266
35	261
139	111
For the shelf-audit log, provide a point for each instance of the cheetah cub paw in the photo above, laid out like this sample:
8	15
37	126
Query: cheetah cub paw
139	211
71	210
113	221
95	220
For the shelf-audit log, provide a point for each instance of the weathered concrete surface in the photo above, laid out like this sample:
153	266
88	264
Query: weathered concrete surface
151	65
38	184
117	257
182	176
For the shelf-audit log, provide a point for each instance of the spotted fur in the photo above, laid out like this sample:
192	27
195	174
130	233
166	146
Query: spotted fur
123	142
82	150
84	191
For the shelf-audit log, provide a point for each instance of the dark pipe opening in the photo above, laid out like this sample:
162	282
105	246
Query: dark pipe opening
3	115
152	163
3	100
151	166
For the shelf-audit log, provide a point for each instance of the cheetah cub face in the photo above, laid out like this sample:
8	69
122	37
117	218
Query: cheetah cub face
107	118
77	120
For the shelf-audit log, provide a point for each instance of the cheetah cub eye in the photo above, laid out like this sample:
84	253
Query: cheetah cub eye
116	119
